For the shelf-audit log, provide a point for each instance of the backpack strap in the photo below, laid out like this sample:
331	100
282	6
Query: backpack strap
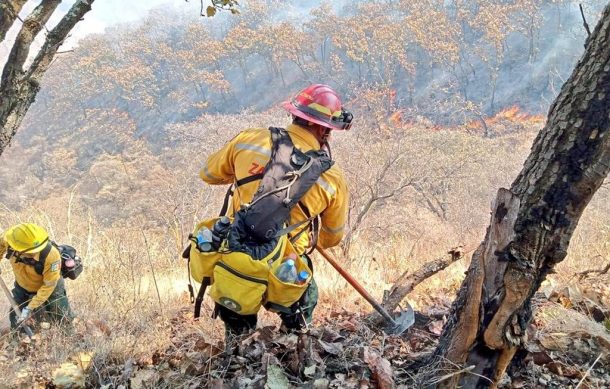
289	229
37	265
276	134
283	153
315	228
233	187
199	300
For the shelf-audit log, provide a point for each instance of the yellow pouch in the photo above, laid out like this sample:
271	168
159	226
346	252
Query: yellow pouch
243	284
201	263
239	283
282	295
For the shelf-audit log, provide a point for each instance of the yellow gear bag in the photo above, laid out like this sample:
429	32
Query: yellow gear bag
243	284
201	263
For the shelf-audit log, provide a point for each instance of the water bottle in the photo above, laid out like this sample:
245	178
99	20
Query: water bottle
287	272
292	256
302	277
204	239
219	231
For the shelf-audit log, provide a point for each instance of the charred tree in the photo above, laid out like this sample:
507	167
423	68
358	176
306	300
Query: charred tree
20	84
532	223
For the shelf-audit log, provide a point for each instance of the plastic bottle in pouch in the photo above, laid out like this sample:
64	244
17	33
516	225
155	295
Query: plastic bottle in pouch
204	239
287	272
292	256
302	277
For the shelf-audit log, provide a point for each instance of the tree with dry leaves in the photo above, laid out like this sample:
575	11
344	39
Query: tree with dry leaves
532	223
21	83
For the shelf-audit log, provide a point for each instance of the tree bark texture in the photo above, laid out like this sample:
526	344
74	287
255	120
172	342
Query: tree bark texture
9	10
19	85
532	223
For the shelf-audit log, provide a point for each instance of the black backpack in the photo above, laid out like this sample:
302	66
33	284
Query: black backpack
287	177
66	252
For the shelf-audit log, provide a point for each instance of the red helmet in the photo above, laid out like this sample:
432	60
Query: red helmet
320	104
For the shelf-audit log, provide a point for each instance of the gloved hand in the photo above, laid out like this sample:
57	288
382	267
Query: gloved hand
25	314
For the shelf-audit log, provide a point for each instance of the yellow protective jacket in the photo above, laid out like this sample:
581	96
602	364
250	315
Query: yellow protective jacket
26	276
248	153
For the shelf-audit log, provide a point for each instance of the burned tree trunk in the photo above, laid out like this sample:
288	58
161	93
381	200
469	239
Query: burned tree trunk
19	85
532	223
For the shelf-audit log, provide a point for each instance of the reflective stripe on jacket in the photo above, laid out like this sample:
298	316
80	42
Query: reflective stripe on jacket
26	276
248	153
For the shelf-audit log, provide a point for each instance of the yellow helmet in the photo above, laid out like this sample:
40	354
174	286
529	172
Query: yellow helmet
27	238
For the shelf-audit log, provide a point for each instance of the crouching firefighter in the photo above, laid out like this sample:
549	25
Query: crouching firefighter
39	267
286	196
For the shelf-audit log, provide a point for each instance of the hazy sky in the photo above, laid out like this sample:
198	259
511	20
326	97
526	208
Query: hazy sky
105	13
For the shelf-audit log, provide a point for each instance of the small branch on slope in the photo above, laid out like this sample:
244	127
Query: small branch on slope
408	281
599	272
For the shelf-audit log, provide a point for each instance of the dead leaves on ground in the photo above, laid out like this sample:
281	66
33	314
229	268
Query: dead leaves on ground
73	373
563	344
591	300
341	353
380	367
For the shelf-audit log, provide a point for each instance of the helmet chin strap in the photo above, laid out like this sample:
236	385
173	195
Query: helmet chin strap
330	154
324	138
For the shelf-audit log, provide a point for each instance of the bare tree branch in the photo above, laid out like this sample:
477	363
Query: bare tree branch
56	37
19	86
585	274
584	20
32	25
9	11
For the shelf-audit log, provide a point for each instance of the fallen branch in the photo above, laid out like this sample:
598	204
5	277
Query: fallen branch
599	272
407	282
447	376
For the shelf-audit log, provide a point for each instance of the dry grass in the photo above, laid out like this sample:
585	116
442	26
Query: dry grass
134	284
129	294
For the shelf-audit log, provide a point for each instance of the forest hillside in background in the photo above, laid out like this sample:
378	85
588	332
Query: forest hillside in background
447	97
121	95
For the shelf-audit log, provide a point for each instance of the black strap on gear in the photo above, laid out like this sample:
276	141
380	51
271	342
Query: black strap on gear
233	187
288	176
199	300
186	254
315	228
37	265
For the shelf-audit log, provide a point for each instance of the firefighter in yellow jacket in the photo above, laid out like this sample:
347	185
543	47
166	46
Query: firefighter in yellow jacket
38	284
316	111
